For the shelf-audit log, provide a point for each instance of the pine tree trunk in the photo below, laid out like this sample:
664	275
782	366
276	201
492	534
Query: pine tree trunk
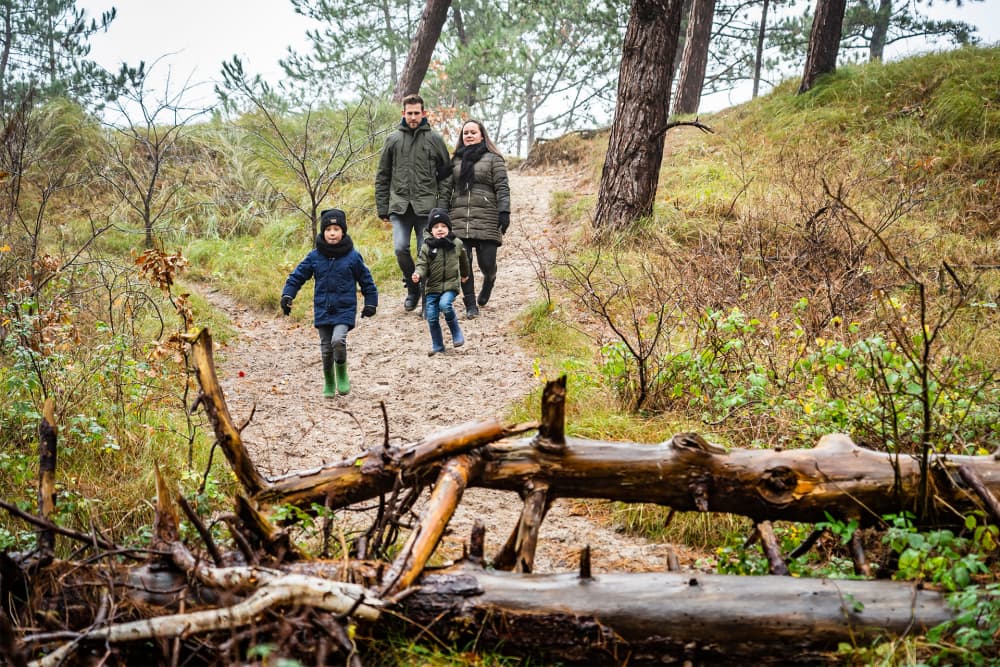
422	48
635	147
758	60
695	60
824	41
471	90
876	47
679	50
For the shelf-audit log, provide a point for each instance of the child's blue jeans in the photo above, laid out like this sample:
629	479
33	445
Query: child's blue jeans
439	303
435	305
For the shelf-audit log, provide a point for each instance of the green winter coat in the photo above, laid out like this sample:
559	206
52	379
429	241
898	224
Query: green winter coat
408	171
442	269
475	213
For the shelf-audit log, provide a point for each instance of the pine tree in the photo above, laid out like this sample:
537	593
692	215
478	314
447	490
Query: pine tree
44	48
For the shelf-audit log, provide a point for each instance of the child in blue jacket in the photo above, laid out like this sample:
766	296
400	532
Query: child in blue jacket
337	269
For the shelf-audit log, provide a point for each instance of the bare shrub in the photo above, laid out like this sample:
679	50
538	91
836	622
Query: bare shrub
820	306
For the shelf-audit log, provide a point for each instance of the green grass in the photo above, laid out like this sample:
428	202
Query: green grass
397	651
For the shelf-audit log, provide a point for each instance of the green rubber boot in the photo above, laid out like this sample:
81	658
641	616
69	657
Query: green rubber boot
329	383
343	383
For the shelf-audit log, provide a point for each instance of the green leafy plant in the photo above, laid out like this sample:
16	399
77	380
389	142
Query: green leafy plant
843	530
745	559
940	556
954	561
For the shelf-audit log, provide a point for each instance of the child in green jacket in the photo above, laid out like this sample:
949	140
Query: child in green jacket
443	265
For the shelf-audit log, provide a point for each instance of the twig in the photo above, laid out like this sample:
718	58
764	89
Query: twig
205	534
88	539
806	544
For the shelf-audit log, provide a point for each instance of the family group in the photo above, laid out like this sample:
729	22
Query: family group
453	206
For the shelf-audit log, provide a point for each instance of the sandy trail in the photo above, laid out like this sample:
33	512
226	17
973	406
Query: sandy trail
274	365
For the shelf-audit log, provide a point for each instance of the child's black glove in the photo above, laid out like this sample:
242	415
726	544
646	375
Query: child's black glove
504	221
368	311
286	304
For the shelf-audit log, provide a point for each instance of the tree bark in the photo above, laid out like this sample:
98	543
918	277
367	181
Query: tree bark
660	617
758	60
635	146
681	38
880	29
824	41
421	49
695	60
8	40
472	86
803	485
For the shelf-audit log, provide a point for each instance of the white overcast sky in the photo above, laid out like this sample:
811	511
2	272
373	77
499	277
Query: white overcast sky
192	38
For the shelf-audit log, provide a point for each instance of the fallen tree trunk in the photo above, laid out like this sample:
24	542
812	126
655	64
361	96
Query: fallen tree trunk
666	617
685	473
610	618
803	485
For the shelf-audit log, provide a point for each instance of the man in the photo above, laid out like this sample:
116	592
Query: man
414	161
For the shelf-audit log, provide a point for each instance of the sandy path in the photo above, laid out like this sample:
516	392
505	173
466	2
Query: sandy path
274	364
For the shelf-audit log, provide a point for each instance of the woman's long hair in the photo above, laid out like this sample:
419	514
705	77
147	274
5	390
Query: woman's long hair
490	146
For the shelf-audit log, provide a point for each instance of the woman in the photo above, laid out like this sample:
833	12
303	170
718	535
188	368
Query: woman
479	205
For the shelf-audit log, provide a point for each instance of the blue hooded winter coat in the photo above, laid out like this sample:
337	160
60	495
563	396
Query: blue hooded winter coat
335	299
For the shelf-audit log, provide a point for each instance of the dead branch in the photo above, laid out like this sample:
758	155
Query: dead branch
91	539
423	541
274	591
214	402
977	484
772	550
48	436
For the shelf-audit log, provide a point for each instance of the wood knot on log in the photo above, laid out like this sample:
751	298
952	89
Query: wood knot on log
699	493
776	485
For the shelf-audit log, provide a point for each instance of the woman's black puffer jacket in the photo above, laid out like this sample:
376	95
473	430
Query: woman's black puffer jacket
475	211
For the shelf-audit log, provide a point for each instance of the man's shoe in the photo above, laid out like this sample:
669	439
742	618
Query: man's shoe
411	300
471	312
